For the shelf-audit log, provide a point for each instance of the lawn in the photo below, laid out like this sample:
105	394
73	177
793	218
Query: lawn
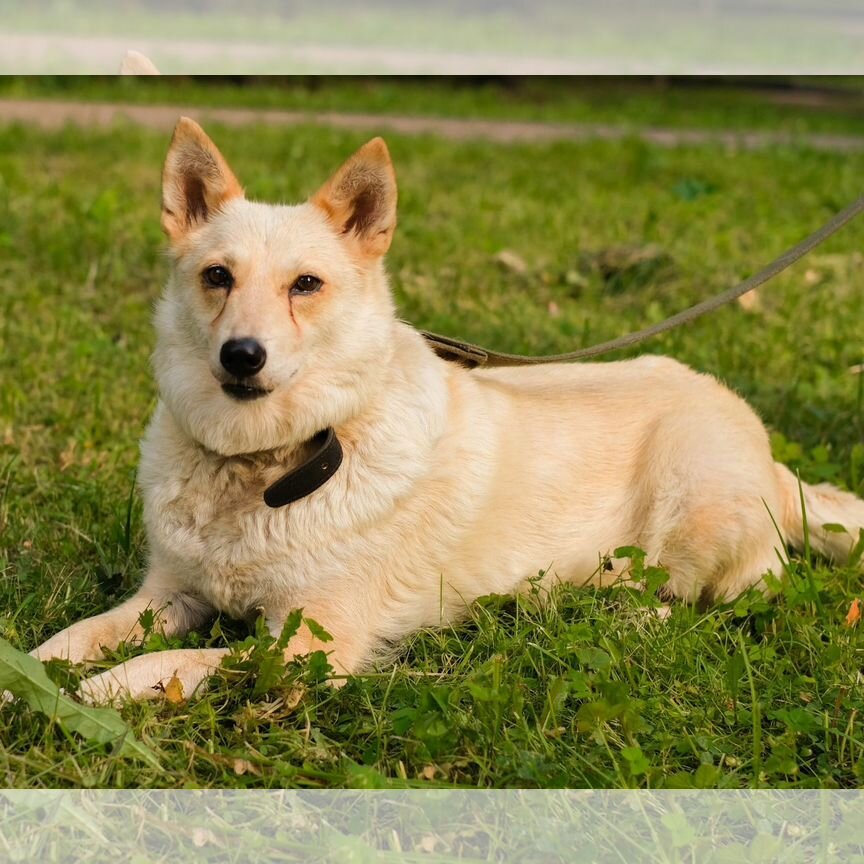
587	690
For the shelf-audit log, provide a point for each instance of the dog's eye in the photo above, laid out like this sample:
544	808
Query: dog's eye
217	277
306	284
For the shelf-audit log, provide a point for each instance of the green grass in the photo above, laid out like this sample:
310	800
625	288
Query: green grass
628	103
588	690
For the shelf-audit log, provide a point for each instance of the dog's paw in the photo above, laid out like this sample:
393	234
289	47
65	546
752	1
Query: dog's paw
172	675
75	644
111	688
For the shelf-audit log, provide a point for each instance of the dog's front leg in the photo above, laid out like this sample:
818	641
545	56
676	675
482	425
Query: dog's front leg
350	645
154	675
151	675
174	613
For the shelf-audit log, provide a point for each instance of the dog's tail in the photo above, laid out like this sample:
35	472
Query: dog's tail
824	505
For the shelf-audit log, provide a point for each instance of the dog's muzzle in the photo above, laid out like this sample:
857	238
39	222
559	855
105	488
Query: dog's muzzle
243	359
244	391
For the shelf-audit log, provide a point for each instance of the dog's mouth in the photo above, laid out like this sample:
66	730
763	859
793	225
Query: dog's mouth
244	392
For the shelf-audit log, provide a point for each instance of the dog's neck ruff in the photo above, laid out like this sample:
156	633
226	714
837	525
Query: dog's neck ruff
310	475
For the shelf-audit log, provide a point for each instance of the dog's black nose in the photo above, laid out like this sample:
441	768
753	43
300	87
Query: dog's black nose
242	357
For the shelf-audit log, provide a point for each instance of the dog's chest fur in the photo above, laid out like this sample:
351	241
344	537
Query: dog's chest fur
208	525
207	521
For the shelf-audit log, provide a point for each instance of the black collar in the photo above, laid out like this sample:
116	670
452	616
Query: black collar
309	475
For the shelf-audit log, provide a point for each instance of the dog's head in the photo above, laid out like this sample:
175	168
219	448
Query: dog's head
276	319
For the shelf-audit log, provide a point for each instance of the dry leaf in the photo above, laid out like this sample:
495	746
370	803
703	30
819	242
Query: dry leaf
427	843
853	616
244	766
67	456
428	772
751	301
173	690
293	699
628	268
202	836
511	261
555	732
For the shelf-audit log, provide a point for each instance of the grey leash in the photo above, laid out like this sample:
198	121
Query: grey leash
474	355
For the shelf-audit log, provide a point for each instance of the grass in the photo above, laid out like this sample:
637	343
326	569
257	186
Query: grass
834	107
588	690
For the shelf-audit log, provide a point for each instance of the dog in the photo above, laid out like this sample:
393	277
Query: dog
277	324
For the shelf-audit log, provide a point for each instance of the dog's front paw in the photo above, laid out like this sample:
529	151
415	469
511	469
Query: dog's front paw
112	688
175	675
76	644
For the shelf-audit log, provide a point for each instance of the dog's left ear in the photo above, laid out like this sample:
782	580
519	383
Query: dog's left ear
360	198
196	181
136	63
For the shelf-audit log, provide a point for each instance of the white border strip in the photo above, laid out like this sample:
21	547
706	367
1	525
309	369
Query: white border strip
431	826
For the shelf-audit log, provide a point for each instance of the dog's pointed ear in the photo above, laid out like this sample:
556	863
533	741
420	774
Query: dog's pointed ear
196	181
136	63
360	198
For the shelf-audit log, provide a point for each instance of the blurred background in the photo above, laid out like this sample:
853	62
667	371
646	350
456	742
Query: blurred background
445	37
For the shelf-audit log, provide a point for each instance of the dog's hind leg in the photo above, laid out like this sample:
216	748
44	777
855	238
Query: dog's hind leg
734	579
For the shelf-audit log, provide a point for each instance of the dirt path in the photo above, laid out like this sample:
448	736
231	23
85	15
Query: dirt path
56	114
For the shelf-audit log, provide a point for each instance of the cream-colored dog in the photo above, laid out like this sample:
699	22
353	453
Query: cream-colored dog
277	323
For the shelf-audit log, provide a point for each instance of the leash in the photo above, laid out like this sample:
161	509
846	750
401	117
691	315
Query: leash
326	458
472	356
